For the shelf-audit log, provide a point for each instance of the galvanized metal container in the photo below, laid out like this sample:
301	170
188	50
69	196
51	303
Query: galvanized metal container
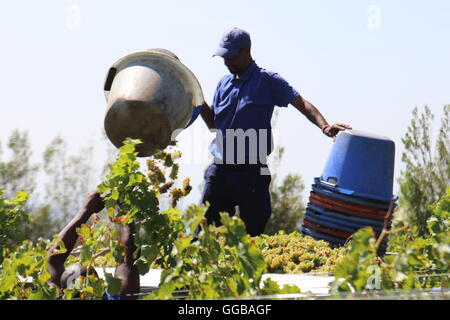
150	96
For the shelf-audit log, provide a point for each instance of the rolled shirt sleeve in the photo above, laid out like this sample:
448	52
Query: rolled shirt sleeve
282	92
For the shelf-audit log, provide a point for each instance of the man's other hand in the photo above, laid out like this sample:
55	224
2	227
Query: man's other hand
333	130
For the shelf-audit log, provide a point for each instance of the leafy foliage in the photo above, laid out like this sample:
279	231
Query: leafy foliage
12	217
18	173
23	264
361	270
23	273
69	178
100	248
427	172
222	262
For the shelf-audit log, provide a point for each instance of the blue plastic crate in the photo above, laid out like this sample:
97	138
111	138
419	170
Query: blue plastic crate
361	164
332	192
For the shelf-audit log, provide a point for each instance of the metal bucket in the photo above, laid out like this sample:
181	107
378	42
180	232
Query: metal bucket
150	96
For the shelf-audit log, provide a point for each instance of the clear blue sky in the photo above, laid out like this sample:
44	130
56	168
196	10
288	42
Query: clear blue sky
366	63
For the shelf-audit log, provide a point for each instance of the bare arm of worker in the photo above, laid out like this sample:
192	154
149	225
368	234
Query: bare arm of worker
314	115
208	116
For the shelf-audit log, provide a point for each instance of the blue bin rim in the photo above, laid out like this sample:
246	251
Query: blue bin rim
366	221
338	224
365	134
323	221
332	194
349	192
317	235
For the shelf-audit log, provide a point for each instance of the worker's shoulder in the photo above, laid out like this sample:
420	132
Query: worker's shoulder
225	79
269	74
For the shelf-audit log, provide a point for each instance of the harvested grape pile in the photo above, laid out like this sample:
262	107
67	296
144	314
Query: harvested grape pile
294	253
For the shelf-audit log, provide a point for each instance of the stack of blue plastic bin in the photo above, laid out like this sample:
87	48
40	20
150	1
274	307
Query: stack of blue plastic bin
354	190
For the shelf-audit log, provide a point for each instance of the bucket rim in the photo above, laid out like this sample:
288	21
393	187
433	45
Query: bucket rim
191	79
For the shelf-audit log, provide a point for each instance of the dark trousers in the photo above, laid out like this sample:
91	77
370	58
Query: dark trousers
227	186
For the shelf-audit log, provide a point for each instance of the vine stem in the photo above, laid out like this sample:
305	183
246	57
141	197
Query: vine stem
95	255
386	219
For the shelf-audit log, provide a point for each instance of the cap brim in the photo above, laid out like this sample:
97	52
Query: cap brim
225	53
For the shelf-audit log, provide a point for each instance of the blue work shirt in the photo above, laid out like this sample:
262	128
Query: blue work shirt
247	103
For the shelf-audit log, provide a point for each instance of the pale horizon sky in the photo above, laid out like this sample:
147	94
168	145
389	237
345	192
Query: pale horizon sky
365	63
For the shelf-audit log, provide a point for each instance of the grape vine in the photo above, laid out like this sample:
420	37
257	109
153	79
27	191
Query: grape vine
221	262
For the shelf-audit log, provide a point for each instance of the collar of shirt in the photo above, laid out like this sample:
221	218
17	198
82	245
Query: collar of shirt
252	67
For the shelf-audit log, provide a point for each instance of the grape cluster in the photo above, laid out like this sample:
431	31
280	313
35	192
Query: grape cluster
156	174
294	253
177	193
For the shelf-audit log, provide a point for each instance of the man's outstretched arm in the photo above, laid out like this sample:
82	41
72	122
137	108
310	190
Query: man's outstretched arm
313	114
93	203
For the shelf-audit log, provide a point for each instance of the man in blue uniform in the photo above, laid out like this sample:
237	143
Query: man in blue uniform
240	115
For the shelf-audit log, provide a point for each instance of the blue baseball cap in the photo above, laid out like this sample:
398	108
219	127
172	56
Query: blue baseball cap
232	41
